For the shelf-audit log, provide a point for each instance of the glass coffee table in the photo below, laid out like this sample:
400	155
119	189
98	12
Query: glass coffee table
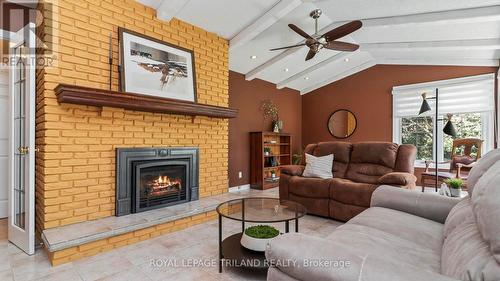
253	210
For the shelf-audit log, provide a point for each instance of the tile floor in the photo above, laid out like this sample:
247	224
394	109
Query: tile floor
134	262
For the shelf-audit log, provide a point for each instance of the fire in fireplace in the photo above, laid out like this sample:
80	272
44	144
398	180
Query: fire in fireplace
154	178
161	185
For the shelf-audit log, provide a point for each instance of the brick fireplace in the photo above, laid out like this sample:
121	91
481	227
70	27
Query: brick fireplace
151	178
76	166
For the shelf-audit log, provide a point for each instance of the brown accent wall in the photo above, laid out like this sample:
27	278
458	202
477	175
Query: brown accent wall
368	94
247	97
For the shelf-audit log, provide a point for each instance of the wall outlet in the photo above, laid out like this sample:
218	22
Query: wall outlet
240	175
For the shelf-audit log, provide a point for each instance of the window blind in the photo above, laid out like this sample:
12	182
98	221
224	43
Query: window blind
462	95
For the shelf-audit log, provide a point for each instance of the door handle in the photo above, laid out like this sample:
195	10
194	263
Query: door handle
23	150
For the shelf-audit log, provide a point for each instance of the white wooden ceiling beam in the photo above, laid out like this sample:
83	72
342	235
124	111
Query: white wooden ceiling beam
449	45
252	74
273	15
439	61
471	15
167	9
334	59
483	14
336	77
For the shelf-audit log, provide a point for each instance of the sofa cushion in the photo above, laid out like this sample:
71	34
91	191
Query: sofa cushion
372	242
481	167
352	193
370	161
316	206
426	233
465	254
486	205
405	160
342	211
318	166
341	150
310	187
461	212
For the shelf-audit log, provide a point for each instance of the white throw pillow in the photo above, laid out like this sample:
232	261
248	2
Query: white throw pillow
318	167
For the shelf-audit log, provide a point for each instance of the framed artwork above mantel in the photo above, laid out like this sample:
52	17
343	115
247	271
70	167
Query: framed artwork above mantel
156	68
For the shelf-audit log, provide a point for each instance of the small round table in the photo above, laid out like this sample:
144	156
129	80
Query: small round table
254	210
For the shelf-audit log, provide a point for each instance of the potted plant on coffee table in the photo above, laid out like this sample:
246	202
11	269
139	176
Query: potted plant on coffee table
455	186
257	237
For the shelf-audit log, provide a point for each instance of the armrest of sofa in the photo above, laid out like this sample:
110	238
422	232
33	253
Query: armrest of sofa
293	170
398	178
427	205
311	258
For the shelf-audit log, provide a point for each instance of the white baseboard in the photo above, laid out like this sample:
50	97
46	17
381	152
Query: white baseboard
239	188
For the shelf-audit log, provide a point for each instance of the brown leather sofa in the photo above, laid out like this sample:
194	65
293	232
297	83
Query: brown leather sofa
358	169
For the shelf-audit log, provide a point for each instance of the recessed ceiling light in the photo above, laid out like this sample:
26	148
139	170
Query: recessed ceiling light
307	78
346	59
286	69
253	57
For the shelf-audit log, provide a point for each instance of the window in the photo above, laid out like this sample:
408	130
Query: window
468	125
469	99
418	131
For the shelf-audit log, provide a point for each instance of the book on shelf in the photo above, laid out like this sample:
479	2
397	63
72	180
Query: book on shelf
276	179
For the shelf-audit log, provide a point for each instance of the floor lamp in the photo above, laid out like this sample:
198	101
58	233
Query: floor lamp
448	129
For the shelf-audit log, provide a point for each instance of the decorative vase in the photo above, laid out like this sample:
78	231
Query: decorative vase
276	127
255	244
280	125
455	192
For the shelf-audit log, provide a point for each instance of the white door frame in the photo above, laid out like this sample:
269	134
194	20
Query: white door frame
22	236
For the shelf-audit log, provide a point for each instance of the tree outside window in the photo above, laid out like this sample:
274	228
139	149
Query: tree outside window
419	132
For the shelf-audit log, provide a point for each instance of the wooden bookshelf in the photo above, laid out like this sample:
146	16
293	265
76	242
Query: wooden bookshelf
262	165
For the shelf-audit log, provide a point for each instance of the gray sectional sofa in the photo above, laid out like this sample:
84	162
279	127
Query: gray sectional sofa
405	235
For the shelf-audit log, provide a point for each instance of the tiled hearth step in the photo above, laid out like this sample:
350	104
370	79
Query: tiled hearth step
71	242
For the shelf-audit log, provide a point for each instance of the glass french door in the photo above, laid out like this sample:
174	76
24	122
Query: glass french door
22	141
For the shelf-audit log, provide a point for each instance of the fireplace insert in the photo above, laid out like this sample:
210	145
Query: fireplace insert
154	178
159	183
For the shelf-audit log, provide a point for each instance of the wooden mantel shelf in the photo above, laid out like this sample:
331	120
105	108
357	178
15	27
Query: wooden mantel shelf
131	101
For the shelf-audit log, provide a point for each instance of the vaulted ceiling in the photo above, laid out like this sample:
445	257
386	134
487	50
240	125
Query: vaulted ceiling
424	32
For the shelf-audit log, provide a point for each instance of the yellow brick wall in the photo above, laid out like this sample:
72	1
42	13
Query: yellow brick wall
103	245
76	165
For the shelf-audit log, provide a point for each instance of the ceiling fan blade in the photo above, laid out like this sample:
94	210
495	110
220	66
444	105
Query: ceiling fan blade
299	31
288	47
310	55
341	46
343	30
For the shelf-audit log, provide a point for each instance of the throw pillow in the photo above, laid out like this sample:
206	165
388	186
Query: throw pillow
318	167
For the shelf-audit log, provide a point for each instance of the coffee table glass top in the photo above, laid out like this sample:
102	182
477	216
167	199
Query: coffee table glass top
261	210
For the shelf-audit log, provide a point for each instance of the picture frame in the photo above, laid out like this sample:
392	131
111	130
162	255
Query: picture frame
156	68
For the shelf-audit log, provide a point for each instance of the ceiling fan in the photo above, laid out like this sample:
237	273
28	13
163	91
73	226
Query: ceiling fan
317	42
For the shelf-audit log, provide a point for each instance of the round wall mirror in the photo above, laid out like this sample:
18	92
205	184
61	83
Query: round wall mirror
342	124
